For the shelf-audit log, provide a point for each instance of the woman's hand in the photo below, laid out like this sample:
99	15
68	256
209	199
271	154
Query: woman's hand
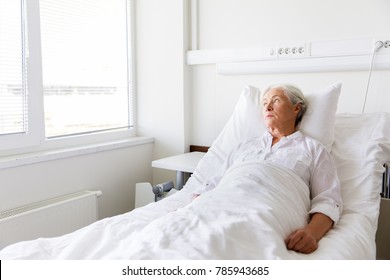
305	240
302	241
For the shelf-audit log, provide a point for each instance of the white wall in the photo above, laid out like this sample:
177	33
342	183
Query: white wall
233	24
249	23
162	78
113	172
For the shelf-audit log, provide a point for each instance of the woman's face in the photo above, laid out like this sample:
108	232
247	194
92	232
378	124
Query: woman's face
278	111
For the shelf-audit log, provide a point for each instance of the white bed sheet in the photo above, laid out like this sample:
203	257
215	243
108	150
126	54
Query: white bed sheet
245	217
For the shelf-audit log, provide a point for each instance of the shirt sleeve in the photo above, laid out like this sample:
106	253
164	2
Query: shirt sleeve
325	186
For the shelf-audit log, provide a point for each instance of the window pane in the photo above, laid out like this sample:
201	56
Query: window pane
85	66
13	96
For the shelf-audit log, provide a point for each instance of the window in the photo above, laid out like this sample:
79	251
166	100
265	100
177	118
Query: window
13	94
85	66
73	79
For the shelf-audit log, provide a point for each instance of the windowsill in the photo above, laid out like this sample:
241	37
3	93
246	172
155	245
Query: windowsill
42	156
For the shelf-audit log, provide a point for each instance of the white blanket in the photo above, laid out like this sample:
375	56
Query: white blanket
247	216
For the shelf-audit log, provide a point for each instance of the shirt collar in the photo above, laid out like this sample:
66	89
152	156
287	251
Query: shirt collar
297	134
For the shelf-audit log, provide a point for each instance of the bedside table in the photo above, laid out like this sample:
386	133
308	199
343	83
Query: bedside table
184	163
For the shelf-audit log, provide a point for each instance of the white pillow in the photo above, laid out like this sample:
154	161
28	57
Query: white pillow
246	122
319	119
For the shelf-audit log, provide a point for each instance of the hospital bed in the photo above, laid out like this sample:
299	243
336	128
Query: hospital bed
250	213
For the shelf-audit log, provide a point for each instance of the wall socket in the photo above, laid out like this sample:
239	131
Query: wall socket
386	45
293	50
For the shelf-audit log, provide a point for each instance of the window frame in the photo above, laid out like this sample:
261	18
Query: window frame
34	139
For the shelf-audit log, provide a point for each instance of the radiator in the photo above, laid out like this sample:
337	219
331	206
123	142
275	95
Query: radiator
48	218
143	194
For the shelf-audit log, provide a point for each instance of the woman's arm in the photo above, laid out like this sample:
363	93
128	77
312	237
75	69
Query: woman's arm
305	240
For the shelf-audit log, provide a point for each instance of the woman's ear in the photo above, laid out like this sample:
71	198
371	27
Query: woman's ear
297	108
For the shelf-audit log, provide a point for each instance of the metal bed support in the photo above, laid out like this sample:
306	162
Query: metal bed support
161	190
383	231
386	181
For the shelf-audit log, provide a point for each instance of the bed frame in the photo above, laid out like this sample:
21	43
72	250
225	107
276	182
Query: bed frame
383	231
386	182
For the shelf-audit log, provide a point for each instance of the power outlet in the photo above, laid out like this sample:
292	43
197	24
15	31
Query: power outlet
293	50
386	45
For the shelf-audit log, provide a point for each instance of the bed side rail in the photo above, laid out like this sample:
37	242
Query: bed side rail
386	181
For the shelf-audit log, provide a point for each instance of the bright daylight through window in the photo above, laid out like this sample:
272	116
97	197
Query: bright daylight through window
65	69
13	95
85	57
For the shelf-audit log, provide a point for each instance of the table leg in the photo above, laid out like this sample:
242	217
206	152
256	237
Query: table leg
179	180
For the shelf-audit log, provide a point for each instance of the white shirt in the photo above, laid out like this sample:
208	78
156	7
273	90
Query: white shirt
301	154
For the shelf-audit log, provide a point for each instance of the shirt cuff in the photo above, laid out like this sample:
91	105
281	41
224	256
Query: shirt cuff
332	211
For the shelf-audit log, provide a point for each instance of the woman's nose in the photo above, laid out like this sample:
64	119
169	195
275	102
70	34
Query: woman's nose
268	107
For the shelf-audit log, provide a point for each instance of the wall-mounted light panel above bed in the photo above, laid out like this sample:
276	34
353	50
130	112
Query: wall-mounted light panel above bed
290	57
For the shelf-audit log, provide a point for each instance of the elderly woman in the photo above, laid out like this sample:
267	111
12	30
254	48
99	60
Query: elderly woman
283	109
284	145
